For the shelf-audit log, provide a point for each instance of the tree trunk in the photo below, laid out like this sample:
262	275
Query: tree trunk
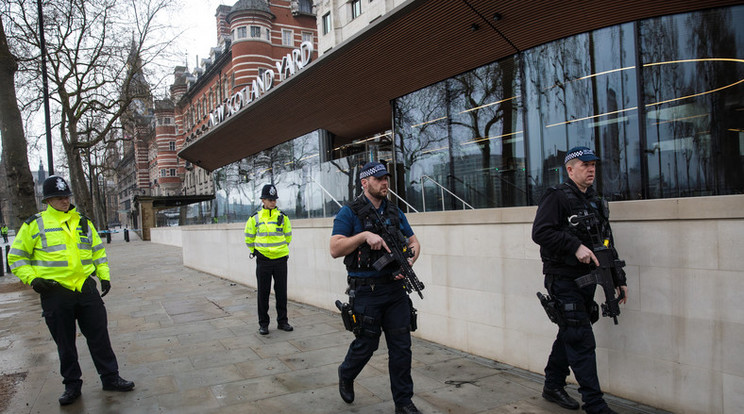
79	186
15	157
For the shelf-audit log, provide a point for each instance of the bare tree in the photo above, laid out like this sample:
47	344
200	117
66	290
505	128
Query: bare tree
97	51
484	97
15	158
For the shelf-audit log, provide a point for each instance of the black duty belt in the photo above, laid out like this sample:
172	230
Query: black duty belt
366	281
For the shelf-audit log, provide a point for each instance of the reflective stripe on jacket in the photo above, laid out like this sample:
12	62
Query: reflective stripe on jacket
262	232
53	246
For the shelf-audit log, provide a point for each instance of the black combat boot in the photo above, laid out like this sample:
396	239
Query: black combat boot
560	397
117	383
72	392
345	388
406	409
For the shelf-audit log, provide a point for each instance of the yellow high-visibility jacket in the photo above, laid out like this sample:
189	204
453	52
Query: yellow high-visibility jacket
53	245
264	233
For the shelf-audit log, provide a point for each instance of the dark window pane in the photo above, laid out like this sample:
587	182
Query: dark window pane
460	141
693	67
581	91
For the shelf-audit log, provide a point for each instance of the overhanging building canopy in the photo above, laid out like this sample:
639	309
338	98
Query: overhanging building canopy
347	91
162	202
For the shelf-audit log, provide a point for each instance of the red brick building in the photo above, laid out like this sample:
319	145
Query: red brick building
259	44
254	40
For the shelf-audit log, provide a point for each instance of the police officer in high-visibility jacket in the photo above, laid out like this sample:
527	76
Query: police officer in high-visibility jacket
57	252
268	234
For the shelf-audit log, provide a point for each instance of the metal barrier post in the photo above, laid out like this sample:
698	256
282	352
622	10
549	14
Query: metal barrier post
7	264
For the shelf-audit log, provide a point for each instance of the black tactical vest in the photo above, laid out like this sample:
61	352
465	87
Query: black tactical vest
363	257
580	205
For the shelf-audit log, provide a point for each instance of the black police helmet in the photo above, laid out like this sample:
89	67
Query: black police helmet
269	192
55	186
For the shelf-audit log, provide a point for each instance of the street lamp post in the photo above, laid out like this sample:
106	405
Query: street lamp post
45	89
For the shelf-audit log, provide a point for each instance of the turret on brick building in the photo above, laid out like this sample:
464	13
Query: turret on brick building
252	37
254	40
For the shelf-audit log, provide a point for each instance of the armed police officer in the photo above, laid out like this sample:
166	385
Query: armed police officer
58	252
379	300
268	234
566	251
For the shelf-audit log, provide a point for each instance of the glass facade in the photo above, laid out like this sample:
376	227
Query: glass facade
496	136
293	167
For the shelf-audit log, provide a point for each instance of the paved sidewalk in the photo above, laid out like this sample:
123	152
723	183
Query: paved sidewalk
189	342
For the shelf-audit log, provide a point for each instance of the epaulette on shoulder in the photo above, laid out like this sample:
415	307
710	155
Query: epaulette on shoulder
357	205
32	218
548	191
567	189
84	223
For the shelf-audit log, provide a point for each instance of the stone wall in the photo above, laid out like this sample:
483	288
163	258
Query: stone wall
677	346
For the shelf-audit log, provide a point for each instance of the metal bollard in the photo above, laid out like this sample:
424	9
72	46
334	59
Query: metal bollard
108	237
7	264
126	235
2	268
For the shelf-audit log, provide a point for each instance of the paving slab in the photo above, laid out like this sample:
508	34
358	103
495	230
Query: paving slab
189	340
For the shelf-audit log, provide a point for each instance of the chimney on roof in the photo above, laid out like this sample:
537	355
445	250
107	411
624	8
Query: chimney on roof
223	27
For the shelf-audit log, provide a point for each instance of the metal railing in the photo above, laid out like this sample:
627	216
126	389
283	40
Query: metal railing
329	195
410	207
442	189
408	210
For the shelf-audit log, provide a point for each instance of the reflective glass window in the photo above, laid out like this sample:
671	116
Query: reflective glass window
460	141
496	136
581	91
356	8
693	95
287	37
326	23
256	32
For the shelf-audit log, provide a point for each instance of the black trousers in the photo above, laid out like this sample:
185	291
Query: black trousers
266	269
61	308
574	345
384	307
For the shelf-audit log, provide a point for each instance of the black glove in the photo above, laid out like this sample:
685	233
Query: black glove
105	287
42	285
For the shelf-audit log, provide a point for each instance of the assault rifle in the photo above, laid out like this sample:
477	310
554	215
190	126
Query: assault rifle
610	271
399	254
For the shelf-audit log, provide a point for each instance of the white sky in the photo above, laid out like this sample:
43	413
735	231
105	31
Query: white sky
197	20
